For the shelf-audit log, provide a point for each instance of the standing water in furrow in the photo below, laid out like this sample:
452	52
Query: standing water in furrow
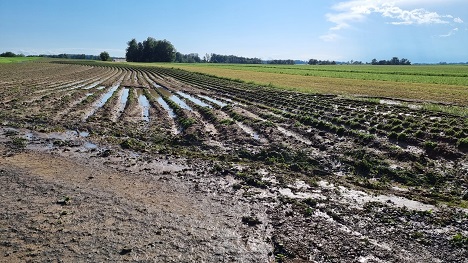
248	130
174	98
144	104
98	104
217	102
193	99
123	100
163	103
92	85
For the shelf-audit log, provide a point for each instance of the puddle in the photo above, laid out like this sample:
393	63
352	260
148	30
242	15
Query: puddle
90	145
77	87
180	102
300	195
360	198
64	136
144	104
193	99
60	86
161	102
414	149
217	102
163	91
154	94
248	130
168	94
396	188
166	107
390	102
414	106
84	134
92	85
29	136
123	99
98	104
294	135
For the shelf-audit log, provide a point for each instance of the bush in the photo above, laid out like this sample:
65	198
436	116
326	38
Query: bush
104	56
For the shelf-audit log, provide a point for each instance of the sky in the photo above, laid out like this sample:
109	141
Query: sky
424	31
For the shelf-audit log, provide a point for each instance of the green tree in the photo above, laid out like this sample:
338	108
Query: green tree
165	51
104	56
132	51
8	54
394	61
149	50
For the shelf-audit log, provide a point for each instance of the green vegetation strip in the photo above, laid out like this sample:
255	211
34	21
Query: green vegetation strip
447	84
434	74
17	59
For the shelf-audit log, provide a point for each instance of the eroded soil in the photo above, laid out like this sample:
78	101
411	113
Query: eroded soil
113	164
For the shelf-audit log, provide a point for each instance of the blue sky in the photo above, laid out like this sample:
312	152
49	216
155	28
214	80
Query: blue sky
420	30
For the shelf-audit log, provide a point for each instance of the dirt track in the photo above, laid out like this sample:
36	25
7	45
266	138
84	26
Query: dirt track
159	217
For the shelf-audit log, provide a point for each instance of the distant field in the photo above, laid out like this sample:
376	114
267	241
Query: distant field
432	83
16	59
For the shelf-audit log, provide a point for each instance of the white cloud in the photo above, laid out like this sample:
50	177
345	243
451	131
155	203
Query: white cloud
409	17
330	37
449	34
352	11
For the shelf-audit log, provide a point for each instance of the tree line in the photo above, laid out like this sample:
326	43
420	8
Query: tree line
216	58
281	62
9	54
188	58
393	61
72	56
321	62
150	50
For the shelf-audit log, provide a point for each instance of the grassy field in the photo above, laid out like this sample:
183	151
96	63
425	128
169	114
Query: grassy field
429	83
17	59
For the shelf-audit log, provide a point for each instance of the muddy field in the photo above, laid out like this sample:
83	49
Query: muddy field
113	163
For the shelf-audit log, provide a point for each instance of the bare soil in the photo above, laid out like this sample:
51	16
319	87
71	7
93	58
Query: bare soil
272	176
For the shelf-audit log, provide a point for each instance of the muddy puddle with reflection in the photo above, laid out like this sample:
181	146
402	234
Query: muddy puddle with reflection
144	105
99	103
193	99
